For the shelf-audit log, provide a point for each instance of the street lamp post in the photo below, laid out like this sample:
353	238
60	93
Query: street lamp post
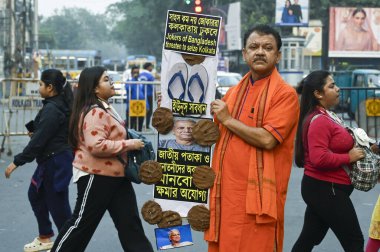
35	25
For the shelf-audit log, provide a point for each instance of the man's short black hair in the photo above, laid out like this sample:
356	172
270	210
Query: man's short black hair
134	67
264	30
146	65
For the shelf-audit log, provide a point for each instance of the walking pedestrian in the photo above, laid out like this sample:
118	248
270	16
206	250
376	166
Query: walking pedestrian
98	134
48	191
134	91
323	147
146	75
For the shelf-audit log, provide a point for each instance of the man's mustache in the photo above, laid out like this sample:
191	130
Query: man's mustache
259	59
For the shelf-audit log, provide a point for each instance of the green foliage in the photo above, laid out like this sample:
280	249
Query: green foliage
257	12
46	38
72	28
139	25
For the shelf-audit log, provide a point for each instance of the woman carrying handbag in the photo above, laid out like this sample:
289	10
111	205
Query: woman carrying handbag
98	135
324	147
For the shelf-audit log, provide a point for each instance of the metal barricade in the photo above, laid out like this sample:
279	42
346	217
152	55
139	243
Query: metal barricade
20	103
360	107
133	110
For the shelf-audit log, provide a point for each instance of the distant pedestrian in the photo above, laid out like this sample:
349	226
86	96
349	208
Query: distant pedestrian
36	65
98	134
324	147
48	192
68	76
134	91
146	75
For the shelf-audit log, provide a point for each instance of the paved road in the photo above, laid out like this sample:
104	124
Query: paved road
18	225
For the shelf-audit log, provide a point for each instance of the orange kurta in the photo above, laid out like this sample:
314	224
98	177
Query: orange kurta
247	223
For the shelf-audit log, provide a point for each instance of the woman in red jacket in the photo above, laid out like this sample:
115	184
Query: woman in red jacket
323	148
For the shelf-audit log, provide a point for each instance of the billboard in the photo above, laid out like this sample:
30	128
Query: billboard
313	38
354	32
292	12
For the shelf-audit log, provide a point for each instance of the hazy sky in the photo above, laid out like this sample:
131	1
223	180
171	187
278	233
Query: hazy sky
47	7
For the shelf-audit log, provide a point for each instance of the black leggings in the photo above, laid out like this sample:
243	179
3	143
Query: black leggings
328	206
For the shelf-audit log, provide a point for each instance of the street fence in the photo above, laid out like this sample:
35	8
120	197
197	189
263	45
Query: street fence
360	107
20	102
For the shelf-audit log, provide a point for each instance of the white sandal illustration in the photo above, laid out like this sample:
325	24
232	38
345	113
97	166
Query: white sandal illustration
197	84
177	81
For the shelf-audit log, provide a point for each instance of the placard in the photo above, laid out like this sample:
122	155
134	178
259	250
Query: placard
192	33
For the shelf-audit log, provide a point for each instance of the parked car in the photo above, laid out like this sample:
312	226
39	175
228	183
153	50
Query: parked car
225	80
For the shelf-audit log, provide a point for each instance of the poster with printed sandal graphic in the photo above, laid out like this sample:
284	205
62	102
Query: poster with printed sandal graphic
189	63
188	83
186	131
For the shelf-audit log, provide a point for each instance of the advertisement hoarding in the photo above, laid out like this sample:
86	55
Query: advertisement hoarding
292	13
313	38
354	32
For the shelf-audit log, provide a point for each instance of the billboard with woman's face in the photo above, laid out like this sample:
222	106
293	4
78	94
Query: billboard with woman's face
292	12
354	32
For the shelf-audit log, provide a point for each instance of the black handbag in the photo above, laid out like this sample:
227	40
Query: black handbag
137	157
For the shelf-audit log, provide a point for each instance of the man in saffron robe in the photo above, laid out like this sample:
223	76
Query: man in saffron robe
253	157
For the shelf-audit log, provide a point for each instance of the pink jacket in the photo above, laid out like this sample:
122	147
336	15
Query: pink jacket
103	139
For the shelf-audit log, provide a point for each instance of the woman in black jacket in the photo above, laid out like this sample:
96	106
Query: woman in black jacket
48	191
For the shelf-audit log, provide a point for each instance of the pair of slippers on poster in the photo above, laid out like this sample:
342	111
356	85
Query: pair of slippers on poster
187	86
